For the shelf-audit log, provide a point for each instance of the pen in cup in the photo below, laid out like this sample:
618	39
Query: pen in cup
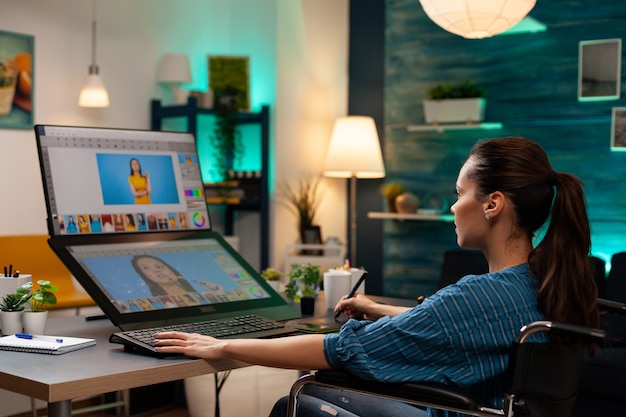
353	291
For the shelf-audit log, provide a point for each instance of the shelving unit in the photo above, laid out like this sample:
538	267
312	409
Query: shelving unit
190	111
448	218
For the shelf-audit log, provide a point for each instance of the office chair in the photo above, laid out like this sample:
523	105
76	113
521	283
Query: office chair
543	378
598	266
458	262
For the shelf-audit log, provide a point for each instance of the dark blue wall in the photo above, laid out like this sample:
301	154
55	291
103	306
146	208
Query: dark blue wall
531	84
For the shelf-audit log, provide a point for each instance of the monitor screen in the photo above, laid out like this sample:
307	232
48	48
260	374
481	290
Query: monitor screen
118	181
158	275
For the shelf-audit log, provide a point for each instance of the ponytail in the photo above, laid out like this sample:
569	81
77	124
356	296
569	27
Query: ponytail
568	292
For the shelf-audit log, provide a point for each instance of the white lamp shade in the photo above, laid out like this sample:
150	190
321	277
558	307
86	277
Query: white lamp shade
354	149
94	93
174	69
477	19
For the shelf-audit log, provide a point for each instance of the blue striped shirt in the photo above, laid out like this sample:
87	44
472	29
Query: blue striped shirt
460	335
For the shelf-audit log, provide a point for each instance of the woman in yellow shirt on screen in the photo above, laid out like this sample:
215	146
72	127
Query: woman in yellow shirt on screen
139	183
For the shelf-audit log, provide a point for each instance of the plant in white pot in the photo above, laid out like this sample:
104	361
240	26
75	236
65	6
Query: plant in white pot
35	318
272	277
454	103
11	308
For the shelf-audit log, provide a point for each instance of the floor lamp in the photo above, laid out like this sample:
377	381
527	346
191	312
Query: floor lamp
354	152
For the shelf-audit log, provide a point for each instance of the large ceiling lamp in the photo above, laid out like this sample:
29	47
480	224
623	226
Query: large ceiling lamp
476	19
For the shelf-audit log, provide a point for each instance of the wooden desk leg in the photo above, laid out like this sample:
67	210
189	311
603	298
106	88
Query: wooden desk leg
60	409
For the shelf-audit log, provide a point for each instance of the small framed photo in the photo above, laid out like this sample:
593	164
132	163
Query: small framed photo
599	70
618	130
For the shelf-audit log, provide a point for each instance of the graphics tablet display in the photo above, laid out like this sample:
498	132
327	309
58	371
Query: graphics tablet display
168	277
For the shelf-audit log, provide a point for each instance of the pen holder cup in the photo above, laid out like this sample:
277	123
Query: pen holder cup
8	285
337	283
356	275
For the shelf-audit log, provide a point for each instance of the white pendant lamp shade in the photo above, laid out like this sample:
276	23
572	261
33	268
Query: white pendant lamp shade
475	19
354	149
94	93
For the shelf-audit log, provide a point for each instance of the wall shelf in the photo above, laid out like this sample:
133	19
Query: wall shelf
448	218
464	126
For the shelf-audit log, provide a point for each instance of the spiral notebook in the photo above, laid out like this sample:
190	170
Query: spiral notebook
52	345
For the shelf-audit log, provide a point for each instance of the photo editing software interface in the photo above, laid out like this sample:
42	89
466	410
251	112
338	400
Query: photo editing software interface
149	276
119	181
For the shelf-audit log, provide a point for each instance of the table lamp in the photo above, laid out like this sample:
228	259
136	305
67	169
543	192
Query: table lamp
354	152
174	70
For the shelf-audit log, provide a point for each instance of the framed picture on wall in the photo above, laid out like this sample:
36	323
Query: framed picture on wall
229	78
599	69
16	80
618	129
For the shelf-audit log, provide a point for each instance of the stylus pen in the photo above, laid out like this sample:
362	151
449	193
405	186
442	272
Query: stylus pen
353	291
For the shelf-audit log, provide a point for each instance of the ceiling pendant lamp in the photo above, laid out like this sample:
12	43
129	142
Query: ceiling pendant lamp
93	93
476	19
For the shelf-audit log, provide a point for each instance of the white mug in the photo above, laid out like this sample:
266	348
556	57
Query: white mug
337	283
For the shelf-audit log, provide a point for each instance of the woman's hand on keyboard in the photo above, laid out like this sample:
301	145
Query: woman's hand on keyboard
190	344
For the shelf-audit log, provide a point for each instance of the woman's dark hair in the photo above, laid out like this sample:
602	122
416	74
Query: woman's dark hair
520	169
130	163
155	288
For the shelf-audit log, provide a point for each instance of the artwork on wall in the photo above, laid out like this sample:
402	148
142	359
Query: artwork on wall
599	69
228	76
618	129
16	80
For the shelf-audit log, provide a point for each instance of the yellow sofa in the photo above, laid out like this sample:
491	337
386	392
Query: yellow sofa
30	254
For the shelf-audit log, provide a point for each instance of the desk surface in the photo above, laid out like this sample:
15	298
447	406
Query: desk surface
105	367
95	370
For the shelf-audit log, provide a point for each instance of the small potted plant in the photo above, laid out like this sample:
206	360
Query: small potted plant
35	318
272	277
303	283
390	191
11	309
449	103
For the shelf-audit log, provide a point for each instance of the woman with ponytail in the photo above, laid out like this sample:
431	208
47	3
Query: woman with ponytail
506	192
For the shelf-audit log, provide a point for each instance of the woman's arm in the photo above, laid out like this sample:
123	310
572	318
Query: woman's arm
295	352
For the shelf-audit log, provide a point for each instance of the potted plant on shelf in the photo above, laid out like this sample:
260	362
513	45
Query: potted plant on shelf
272	277
11	308
303	283
450	103
390	191
35	318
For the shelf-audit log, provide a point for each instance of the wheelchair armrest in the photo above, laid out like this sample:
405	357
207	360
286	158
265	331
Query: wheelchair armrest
612	307
564	330
425	393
